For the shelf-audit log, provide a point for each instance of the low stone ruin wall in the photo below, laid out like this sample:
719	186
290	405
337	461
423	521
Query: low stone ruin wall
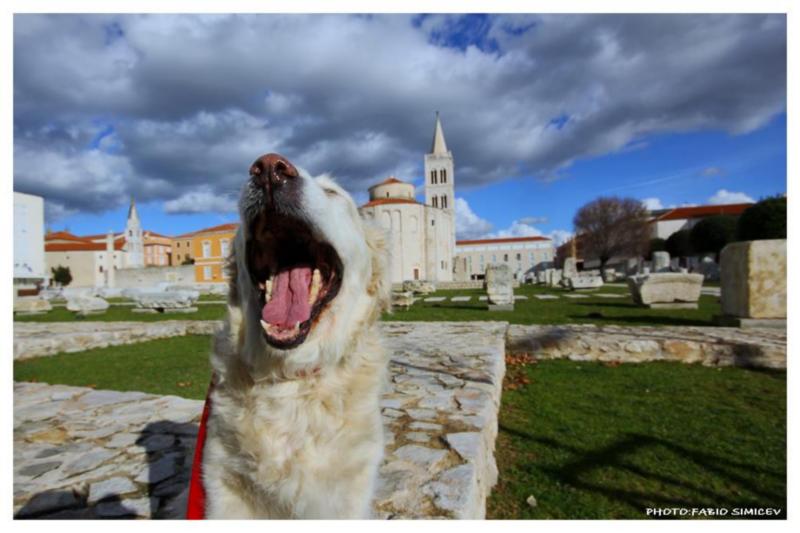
38	339
83	453
710	346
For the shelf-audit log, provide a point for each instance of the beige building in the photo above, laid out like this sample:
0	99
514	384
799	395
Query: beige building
157	249
422	236
665	222
523	255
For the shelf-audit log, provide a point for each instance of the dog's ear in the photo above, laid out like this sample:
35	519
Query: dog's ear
379	284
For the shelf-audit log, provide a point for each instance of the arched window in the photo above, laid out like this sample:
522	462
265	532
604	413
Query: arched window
444	202
433	177
435	201
443	174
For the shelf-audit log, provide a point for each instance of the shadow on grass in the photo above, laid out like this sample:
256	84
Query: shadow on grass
169	448
671	491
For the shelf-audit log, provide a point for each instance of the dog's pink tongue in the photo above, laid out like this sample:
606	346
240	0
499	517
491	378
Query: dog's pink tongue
289	302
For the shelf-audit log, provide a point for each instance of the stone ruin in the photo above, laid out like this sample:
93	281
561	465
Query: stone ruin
753	283
666	290
87	305
499	285
402	299
589	279
31	305
418	286
166	302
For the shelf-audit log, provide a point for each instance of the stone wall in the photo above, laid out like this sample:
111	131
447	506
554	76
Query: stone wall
129	278
757	348
83	453
454	285
38	339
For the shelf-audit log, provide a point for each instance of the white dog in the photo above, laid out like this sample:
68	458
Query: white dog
295	428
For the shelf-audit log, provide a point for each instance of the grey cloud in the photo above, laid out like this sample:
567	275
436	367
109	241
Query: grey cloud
194	99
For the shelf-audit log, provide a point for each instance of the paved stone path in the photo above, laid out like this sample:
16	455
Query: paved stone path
81	453
576	296
545	296
461	298
435	299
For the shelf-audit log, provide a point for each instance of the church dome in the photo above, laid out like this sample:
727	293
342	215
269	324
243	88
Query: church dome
392	188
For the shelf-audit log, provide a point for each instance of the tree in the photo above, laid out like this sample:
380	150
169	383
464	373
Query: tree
611	226
62	275
679	244
711	234
188	260
764	220
656	245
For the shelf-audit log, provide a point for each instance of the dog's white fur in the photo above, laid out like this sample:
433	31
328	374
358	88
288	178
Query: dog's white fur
281	445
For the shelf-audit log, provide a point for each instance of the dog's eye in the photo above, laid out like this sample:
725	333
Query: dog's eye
330	192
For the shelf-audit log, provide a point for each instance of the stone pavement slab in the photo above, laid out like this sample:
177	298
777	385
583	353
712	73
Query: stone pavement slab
545	296
83	453
461	298
435	299
576	296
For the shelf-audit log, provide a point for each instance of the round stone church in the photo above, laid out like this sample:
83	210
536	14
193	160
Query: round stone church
423	236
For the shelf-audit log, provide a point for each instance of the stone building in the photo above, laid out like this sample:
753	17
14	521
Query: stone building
93	259
29	263
523	255
208	248
665	222
422	236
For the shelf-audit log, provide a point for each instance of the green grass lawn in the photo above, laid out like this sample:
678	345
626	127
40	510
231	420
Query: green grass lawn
594	309
117	313
176	365
594	441
588	440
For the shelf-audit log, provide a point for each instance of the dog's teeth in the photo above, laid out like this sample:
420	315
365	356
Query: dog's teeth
316	281
261	286
265	326
297	326
268	288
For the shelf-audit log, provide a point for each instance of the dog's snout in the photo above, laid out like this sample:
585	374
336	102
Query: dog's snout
272	170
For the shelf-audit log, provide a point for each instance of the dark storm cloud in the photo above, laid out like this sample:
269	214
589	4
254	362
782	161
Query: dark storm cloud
176	107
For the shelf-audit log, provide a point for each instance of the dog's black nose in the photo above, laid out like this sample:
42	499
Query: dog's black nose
272	170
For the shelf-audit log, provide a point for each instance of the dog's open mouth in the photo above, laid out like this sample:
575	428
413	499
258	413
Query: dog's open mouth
296	276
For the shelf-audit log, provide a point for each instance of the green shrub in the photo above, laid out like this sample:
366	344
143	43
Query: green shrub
711	234
679	244
764	220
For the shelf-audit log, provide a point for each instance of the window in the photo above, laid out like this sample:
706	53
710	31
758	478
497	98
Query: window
443	174
494	258
433	177
225	247
444	202
178	245
505	258
178	257
206	248
101	268
435	201
433	223
187	244
206	272
519	257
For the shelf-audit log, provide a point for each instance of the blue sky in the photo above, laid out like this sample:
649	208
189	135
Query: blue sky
542	113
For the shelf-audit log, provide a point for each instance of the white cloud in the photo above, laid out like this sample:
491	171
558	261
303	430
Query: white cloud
201	201
517	229
653	203
195	99
533	220
560	236
711	171
468	224
724	196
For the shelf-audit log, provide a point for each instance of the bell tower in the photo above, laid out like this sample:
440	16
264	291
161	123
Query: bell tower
439	175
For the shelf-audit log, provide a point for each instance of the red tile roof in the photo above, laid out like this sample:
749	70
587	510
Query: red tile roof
680	213
388	181
63	236
381	201
502	240
80	246
232	226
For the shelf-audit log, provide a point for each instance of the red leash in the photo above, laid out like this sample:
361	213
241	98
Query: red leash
196	506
